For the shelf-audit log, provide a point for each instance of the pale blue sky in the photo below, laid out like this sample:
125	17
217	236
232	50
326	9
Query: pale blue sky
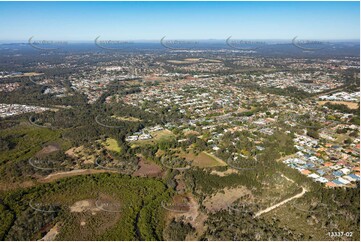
178	20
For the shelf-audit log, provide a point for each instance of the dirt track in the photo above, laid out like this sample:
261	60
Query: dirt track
281	203
59	175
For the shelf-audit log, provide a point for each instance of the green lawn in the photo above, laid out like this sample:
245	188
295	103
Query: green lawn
112	145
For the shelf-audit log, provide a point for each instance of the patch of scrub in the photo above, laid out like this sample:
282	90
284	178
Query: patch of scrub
223	199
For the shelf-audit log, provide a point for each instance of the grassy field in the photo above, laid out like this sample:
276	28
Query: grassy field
162	135
203	160
129	119
112	145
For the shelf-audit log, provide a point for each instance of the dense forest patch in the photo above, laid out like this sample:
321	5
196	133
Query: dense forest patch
30	213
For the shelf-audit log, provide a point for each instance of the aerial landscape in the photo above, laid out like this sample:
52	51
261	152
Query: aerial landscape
180	121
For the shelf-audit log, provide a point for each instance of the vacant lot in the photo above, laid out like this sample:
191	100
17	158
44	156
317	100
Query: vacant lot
204	159
59	175
51	235
82	154
192	214
350	105
223	199
111	145
148	169
82	225
48	150
162	135
224	173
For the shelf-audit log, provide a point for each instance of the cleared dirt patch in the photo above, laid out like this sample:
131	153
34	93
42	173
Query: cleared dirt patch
87	221
84	205
59	175
350	105
191	132
15	185
224	173
48	150
192	215
204	159
221	200
162	134
148	169
51	235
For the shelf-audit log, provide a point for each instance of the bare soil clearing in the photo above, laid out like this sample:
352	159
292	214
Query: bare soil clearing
51	235
223	199
58	175
224	173
148	169
191	132
350	105
15	185
84	205
48	150
204	159
81	224
193	216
